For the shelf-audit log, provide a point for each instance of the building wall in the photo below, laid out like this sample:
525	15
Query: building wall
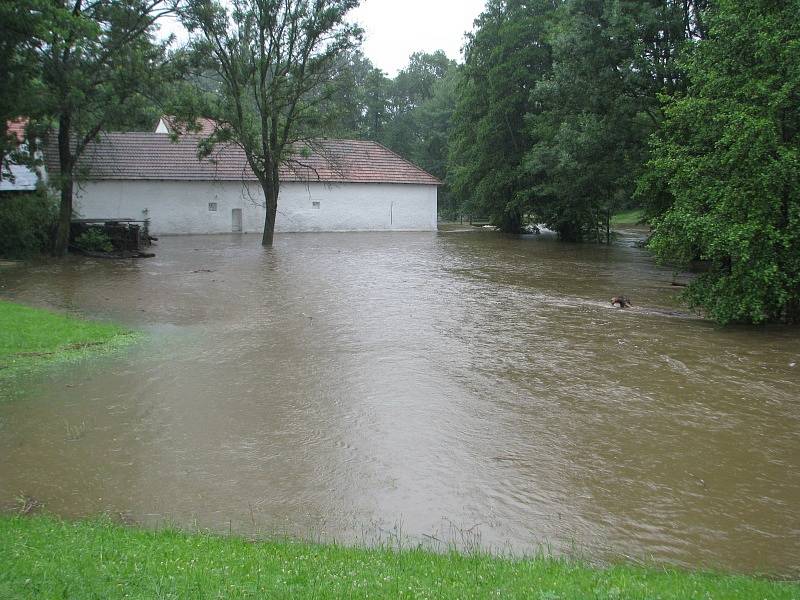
184	207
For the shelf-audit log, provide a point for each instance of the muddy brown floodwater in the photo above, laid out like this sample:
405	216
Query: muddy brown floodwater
463	387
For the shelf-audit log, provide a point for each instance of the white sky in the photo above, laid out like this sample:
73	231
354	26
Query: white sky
394	29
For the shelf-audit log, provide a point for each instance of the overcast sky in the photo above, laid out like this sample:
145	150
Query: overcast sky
394	29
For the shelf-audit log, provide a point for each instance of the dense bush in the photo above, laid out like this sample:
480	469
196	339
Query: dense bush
94	240
26	224
729	157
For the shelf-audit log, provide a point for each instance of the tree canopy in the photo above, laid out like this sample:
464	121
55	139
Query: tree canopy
18	23
504	59
276	63
728	160
93	66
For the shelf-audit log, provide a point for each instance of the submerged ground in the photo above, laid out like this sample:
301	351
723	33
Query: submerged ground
32	338
459	388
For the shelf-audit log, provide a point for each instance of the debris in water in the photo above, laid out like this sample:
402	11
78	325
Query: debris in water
28	505
621	301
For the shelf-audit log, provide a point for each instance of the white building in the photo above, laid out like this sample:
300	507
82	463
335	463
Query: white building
338	185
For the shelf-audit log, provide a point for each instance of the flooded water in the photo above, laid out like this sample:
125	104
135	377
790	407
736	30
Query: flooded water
463	387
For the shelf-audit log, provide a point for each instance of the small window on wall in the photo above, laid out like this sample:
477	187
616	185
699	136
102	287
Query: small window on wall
315	205
212	207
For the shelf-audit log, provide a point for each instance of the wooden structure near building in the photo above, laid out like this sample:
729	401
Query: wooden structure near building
129	237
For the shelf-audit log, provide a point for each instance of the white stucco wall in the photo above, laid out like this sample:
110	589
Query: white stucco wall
183	207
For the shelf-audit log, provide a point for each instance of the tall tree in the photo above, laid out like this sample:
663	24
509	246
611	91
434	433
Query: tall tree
19	21
556	104
376	104
728	158
504	58
348	103
98	62
414	84
360	104
434	122
412	87
593	114
276	60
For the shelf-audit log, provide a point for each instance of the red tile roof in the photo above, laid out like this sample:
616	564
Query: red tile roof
17	128
154	156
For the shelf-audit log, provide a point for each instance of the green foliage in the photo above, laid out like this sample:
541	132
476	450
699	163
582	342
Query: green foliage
277	65
94	239
505	57
556	104
27	222
45	557
728	161
410	114
628	217
434	120
108	70
17	23
357	102
412	87
594	112
96	67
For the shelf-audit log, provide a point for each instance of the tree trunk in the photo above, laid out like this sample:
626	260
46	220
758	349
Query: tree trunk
271	204
511	222
66	184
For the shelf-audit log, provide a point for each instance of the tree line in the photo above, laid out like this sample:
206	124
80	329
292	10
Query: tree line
567	111
562	113
688	109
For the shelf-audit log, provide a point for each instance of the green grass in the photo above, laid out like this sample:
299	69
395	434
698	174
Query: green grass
629	217
31	337
43	557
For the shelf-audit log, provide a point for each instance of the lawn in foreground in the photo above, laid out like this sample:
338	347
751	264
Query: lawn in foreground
43	557
32	336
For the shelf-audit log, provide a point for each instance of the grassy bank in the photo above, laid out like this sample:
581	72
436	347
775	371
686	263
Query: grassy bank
30	337
43	557
630	217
